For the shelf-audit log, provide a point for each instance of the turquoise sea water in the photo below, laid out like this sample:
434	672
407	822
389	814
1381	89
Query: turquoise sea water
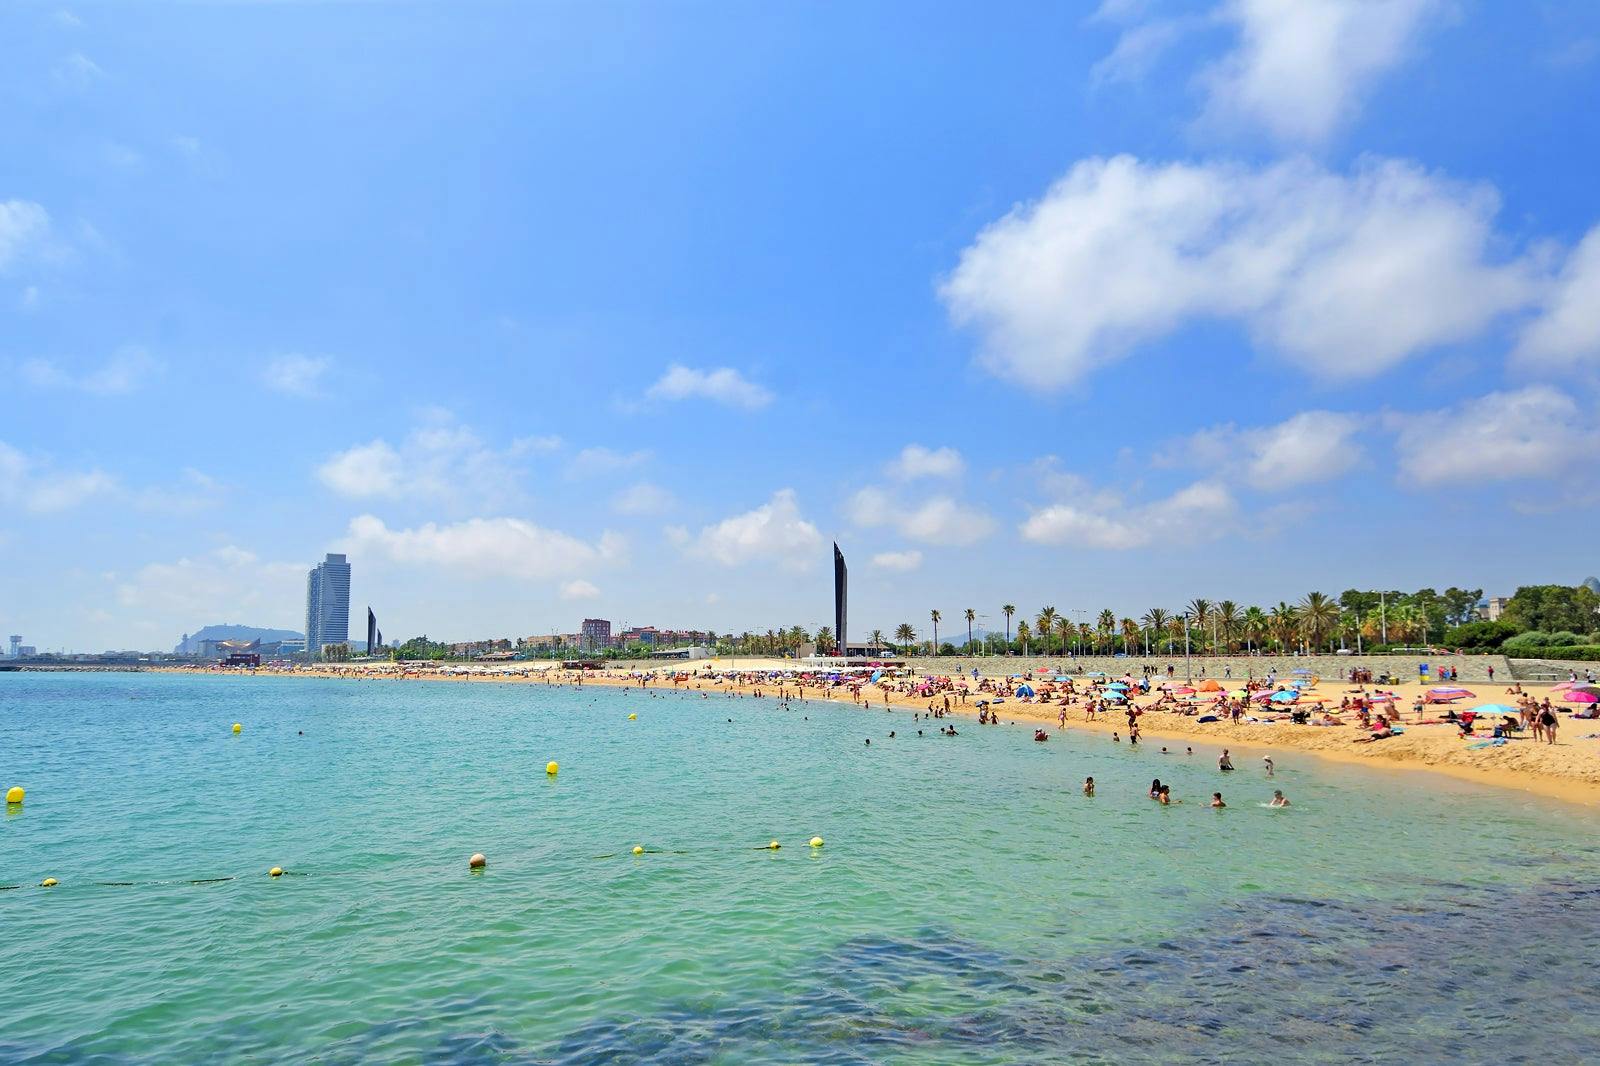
969	905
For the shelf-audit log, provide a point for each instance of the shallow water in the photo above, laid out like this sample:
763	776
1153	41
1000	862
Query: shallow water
969	905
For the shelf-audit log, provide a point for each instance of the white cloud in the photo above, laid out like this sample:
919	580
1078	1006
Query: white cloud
642	499
723	385
604	461
898	561
438	462
24	228
774	532
127	370
482	547
1302	68
934	520
229	583
38	487
297	375
1344	275
578	589
67	19
1298	69
1566	331
1536	432
1201	511
77	71
1309	447
367	470
915	461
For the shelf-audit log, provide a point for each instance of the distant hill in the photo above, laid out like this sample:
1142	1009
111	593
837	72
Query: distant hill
1592	584
191	645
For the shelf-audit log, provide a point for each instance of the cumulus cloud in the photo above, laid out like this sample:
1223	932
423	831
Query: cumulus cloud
36	486
1298	69
482	547
1309	447
642	499
437	462
231	582
898	561
127	370
915	461
1345	275
1536	432
1566	331
723	385
578	589
1201	511
774	532
932	520
296	375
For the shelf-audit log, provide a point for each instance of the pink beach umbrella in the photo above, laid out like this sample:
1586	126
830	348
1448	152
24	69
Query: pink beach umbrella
1580	696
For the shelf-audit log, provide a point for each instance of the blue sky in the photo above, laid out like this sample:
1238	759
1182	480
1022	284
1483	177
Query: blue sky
544	311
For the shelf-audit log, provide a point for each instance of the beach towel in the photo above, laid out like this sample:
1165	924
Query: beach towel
1496	743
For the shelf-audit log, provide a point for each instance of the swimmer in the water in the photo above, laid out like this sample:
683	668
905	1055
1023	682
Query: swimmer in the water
1216	800
1268	760
1088	786
1224	763
1155	788
1278	799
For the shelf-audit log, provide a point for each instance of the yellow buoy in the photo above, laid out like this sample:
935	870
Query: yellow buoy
237	728
477	862
774	846
816	842
48	882
633	718
638	849
552	768
276	871
14	794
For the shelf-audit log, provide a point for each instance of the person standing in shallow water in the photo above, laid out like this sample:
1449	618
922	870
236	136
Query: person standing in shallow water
1224	763
1088	786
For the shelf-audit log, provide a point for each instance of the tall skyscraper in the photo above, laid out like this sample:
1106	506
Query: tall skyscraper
372	631
16	646
841	599
327	604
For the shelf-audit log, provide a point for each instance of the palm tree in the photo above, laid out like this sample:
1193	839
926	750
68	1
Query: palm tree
1067	630
1227	622
1283	625
1130	635
825	641
1022	635
1200	612
876	636
1156	619
1107	624
904	635
1177	625
1008	610
1085	634
971	615
1318	616
1254	626
1043	625
935	616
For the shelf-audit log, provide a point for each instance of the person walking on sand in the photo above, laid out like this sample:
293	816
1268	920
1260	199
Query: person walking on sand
1547	719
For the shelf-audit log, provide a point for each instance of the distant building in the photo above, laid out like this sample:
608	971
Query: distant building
16	646
692	652
477	649
1494	607
328	603
548	642
841	599
26	651
596	633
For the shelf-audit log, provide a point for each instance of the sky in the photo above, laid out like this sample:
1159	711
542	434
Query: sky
545	311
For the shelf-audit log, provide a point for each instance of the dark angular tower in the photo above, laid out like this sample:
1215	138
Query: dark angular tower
841	598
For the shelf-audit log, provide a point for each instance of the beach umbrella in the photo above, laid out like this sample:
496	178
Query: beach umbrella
1210	685
1114	696
1059	677
1042	670
1285	696
1239	694
1094	673
1593	690
1580	696
1024	690
1182	690
1494	708
1117	685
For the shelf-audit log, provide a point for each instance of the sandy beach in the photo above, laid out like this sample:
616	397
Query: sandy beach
1568	770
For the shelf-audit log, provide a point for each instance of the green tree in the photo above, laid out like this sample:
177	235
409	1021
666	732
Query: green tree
1551	608
905	636
1045	625
971	616
825	642
1008	610
1022	636
1318	616
934	646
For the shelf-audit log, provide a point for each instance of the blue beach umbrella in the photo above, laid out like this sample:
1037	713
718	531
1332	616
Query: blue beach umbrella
1114	696
1024	690
1494	708
1117	685
1285	697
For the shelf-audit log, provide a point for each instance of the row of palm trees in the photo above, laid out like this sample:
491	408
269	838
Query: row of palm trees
1316	623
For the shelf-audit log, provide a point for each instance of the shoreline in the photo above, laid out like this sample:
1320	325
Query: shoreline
1568	771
